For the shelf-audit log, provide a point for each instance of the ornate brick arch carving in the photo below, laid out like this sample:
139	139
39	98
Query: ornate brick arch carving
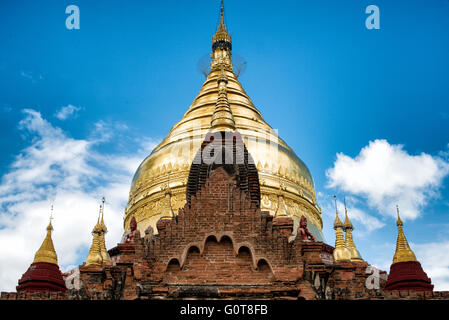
263	260
187	250
173	261
250	248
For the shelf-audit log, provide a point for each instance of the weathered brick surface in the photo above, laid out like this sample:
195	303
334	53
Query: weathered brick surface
223	247
218	265
224	229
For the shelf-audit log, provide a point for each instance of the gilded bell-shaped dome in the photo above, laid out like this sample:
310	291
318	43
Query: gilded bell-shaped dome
167	167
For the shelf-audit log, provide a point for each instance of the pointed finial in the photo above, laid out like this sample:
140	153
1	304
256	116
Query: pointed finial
222	15
103	251
50	226
337	222
348	223
97	227
403	251
102	208
46	252
398	221
221	38
349	241
98	253
341	252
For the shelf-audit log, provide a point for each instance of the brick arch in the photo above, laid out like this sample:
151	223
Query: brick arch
218	264
250	247
174	262
218	238
221	235
187	250
228	237
263	261
209	238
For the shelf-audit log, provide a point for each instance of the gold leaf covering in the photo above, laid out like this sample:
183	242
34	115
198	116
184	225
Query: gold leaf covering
403	252
94	257
341	252
222	34
349	241
46	252
170	161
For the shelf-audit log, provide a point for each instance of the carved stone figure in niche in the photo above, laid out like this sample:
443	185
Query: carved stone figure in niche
149	232
134	233
303	232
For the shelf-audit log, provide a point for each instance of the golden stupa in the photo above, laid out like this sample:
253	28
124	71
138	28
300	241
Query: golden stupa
167	167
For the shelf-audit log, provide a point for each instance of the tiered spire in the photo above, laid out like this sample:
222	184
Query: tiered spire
341	252
221	45
46	252
222	36
98	253
103	251
94	257
348	227
406	273
403	252
222	118
43	275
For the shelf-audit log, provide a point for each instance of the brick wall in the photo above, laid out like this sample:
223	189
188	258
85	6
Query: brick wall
223	246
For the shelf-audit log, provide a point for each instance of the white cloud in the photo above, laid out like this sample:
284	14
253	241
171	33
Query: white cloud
72	175
432	256
66	112
356	215
435	262
386	175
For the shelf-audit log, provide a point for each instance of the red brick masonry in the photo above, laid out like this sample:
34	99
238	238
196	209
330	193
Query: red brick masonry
42	276
222	246
408	275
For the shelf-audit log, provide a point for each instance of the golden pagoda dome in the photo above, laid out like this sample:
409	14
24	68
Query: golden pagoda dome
169	163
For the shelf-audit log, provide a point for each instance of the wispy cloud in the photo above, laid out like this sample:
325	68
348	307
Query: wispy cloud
432	256
71	174
67	111
385	175
435	262
356	214
31	76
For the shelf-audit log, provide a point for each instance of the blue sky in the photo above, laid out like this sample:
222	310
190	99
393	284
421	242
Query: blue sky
79	109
